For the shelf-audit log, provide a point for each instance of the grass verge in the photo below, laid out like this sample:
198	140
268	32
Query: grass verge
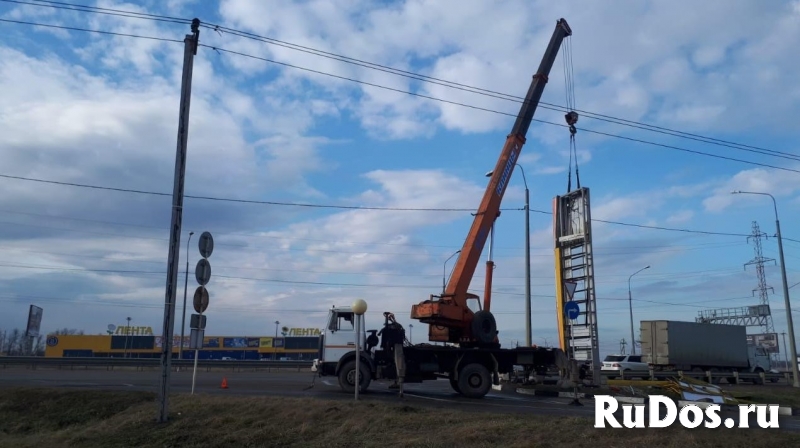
784	395
42	417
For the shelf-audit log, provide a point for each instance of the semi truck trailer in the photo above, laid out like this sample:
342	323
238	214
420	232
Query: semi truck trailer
690	346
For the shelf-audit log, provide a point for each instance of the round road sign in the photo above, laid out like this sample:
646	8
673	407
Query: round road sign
205	244
572	309
202	272
200	299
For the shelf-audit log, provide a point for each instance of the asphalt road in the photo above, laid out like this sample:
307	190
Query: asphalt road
437	394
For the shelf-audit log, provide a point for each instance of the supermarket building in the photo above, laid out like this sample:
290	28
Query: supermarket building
140	342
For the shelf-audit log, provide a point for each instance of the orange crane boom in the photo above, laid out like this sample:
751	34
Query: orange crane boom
448	317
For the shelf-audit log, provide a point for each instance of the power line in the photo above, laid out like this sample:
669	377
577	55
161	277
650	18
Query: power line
504	96
433	98
449	84
733	159
350	207
99	10
163	39
411	75
253	309
357	243
655	277
253	279
250	201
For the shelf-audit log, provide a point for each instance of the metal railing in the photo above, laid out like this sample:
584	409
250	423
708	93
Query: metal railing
72	363
708	376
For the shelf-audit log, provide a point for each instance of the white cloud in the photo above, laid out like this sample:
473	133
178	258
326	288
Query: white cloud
107	115
777	183
680	217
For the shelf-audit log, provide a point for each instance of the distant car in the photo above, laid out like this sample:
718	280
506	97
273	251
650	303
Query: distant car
624	363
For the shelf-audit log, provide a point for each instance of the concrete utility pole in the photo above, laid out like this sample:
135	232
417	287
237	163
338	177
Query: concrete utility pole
190	50
528	337
785	350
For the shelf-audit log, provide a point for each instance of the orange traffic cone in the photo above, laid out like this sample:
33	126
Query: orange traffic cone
224	384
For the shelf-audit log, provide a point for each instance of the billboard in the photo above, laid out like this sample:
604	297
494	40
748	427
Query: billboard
176	342
234	342
768	341
34	321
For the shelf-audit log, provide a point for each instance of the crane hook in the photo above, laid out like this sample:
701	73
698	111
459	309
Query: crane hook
572	118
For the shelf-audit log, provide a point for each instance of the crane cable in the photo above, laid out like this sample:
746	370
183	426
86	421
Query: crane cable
571	117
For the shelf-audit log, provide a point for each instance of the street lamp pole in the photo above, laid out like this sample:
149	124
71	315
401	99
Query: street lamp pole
630	306
185	287
788	305
528	336
127	336
275	354
444	270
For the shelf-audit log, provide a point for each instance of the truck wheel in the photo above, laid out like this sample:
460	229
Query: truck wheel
347	377
474	381
757	380
484	327
454	385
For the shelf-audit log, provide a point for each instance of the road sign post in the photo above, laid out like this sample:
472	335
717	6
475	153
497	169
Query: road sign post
202	273
573	311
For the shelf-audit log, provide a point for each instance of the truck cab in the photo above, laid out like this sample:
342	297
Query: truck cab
339	336
759	359
337	349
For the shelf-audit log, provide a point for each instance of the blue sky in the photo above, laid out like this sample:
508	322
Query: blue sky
102	110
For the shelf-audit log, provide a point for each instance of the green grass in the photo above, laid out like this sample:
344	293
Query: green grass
54	418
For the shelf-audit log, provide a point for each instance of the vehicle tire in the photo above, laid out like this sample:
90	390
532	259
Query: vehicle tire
757	380
454	385
474	381
484	327
347	377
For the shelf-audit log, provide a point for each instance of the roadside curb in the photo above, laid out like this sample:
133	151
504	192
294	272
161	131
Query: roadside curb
782	410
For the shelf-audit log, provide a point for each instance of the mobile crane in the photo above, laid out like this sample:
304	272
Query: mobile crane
473	360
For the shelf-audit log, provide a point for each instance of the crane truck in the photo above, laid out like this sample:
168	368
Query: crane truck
470	355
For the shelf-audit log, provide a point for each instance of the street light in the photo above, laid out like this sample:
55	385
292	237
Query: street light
275	354
185	287
789	323
411	333
444	270
528	337
630	305
127	336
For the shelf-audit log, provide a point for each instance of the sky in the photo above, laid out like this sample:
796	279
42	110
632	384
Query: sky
274	120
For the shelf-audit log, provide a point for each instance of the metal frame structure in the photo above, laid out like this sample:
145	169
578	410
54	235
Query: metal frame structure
574	262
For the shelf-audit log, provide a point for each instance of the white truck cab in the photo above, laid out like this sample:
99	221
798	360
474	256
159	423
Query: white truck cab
337	355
